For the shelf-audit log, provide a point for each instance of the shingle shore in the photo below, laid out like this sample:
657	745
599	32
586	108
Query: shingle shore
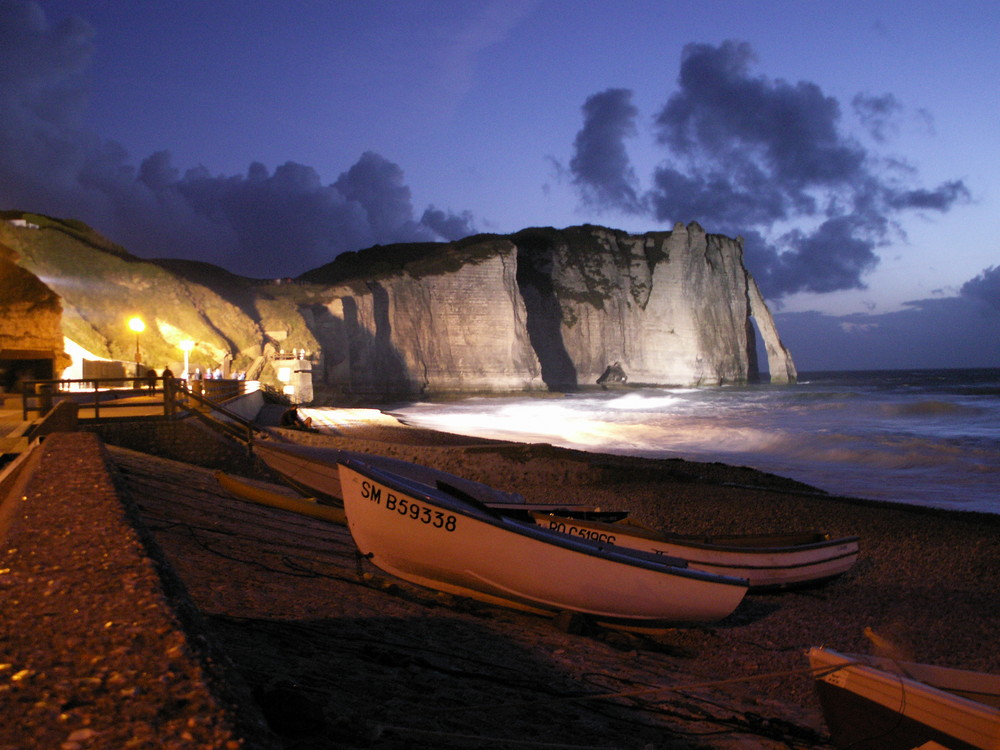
150	546
92	652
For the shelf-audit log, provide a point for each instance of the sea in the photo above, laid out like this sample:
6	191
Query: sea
919	437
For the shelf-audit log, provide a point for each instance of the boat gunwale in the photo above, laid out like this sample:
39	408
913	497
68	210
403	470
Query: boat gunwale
692	541
875	664
885	689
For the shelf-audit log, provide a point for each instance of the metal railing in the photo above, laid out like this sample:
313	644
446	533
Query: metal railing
132	393
237	426
40	395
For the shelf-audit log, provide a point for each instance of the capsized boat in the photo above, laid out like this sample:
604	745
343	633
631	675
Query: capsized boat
872	703
767	561
313	470
454	544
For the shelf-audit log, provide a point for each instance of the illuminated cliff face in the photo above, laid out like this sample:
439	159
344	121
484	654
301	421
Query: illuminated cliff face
538	309
100	287
546	308
672	308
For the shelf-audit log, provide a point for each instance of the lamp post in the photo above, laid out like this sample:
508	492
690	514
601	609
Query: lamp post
138	326
186	346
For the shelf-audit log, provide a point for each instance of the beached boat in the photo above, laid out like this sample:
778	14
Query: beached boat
871	703
453	544
313	471
306	506
767	561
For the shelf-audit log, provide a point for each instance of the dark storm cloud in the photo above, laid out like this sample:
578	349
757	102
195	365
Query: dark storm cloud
747	155
721	113
377	186
877	114
933	333
257	224
941	198
600	164
960	331
448	225
810	257
985	287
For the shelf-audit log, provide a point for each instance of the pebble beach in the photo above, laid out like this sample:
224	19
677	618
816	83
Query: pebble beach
280	637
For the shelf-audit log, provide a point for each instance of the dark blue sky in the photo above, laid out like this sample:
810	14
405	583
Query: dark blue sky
853	145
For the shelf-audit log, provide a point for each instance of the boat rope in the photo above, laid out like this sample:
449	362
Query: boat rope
752	723
816	671
478	739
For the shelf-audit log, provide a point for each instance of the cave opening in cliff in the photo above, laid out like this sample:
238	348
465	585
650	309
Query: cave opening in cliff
17	365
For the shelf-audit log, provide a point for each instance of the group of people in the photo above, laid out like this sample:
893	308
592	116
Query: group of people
152	377
216	374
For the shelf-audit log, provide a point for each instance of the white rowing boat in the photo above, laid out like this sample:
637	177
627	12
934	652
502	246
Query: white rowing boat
771	561
872	703
453	544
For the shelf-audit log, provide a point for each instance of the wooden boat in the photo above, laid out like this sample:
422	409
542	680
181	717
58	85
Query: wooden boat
768	562
313	471
305	506
871	703
454	544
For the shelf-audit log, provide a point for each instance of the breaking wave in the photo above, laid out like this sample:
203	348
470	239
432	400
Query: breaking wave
919	437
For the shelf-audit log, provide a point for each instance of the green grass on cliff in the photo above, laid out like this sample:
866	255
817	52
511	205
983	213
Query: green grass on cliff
416	258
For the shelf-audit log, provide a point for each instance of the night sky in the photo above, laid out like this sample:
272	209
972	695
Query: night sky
854	145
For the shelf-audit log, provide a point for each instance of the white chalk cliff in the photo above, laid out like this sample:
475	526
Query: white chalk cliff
546	308
539	309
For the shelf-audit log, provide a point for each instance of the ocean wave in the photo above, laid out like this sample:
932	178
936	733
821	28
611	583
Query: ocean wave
890	436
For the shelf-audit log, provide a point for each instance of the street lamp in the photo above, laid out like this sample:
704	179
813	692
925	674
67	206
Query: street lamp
136	324
186	346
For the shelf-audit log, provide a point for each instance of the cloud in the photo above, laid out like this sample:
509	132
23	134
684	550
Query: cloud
377	186
256	224
448	225
877	114
748	155
600	165
931	333
984	288
948	332
833	256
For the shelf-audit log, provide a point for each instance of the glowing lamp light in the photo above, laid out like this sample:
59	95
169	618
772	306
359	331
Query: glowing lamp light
186	346
138	326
